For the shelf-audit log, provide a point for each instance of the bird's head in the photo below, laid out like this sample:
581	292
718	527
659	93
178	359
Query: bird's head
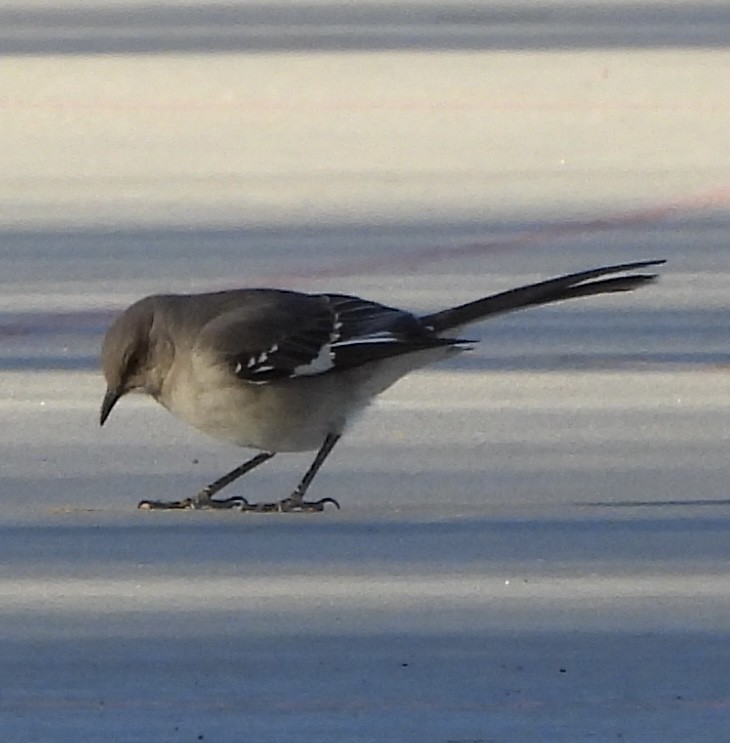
125	354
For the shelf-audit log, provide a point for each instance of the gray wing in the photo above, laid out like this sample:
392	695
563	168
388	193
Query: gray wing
271	335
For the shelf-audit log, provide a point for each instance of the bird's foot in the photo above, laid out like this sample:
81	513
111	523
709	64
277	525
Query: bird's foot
196	503
287	505
166	505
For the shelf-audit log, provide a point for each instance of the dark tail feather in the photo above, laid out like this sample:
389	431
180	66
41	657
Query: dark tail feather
554	290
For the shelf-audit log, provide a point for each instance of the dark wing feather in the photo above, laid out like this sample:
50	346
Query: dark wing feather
265	334
268	335
368	331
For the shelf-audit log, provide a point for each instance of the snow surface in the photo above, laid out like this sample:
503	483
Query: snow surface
534	539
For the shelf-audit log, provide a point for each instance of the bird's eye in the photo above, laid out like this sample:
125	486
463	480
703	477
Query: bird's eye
133	363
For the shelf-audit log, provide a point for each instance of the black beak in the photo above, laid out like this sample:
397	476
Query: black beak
110	400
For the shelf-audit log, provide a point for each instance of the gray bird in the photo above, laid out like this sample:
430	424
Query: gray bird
282	371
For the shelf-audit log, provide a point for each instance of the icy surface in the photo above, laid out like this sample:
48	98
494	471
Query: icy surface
534	543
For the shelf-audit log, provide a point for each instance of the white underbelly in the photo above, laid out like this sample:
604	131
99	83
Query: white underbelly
293	415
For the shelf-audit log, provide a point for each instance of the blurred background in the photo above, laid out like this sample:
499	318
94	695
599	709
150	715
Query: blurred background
138	137
533	543
419	152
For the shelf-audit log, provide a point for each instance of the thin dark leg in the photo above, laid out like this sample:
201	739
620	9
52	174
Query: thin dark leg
204	499
297	497
296	502
210	490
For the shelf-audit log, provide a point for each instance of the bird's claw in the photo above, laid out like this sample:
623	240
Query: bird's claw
287	505
197	503
161	505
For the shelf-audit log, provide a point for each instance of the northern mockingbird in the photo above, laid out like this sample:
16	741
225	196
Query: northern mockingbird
281	371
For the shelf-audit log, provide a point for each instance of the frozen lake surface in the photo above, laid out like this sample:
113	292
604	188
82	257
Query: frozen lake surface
534	539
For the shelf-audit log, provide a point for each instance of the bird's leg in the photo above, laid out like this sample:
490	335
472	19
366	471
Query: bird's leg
295	502
204	499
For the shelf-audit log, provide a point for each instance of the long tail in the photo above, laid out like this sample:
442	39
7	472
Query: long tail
554	290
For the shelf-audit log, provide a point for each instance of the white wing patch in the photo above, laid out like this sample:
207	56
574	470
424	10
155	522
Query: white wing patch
325	359
322	363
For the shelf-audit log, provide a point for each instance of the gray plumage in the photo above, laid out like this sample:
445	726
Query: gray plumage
284	371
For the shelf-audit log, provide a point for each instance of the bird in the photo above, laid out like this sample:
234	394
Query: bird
277	370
